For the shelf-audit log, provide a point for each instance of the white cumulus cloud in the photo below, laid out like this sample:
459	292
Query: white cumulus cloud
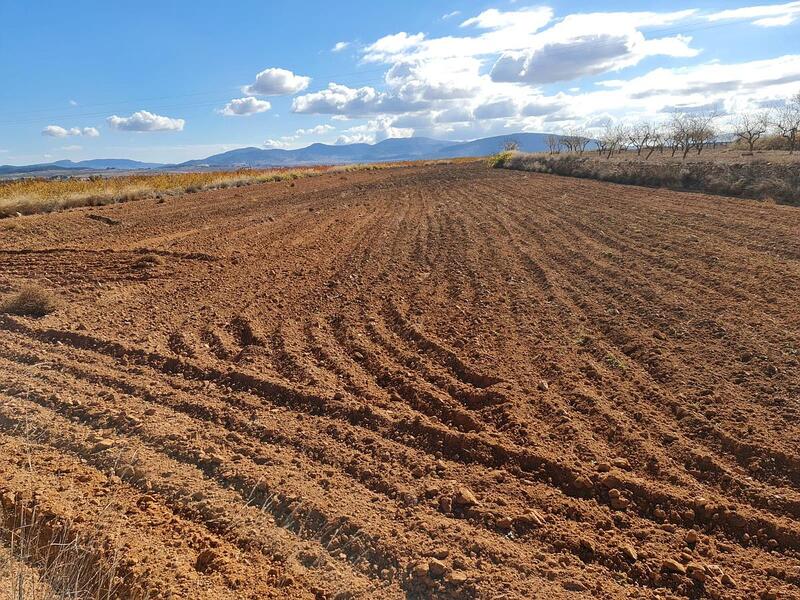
143	120
343	100
375	130
339	46
588	44
244	107
60	132
287	141
318	130
277	82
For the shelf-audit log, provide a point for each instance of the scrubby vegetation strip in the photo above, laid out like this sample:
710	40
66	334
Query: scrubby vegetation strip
755	179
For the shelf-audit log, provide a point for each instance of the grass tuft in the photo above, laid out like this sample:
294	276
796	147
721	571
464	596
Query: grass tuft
148	260
31	301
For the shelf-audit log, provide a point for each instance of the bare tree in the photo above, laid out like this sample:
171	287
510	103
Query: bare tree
749	127
702	129
511	145
691	131
582	142
576	140
655	141
787	121
680	134
553	143
610	138
639	135
568	142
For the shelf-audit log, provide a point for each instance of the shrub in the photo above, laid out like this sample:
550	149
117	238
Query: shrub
499	160
31	301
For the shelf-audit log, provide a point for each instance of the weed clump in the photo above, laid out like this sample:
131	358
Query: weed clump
30	301
148	260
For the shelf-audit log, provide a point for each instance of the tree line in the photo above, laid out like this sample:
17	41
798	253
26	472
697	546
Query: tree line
684	133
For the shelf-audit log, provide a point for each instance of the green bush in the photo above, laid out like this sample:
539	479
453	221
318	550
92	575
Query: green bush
499	160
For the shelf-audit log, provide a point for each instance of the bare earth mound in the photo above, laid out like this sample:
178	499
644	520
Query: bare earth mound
444	381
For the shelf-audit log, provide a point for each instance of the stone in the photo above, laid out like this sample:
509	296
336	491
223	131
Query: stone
696	571
456	578
691	537
464	497
671	565
420	570
573	585
543	386
505	523
437	568
532	518
620	503
630	552
103	444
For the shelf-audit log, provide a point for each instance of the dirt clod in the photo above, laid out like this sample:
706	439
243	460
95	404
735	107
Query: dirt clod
464	497
670	565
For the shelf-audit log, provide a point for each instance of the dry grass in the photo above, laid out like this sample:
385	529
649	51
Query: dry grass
32	195
42	559
148	260
763	180
31	301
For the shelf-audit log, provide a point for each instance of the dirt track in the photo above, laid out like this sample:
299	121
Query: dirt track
300	396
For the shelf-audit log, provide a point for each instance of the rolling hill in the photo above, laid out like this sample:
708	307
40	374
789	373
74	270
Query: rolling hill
413	148
392	149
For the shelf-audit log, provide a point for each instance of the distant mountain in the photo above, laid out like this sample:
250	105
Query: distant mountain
14	169
97	164
413	148
108	163
392	149
527	142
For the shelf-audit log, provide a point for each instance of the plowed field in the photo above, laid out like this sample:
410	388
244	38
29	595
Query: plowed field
429	382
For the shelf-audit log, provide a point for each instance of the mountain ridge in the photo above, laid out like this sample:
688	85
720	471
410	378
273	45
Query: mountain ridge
390	149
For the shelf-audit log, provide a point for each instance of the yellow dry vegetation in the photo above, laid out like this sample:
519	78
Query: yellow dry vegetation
37	195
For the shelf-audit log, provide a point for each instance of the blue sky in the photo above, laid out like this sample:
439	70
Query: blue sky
169	81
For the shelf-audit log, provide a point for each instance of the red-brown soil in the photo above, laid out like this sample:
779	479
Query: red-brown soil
431	382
